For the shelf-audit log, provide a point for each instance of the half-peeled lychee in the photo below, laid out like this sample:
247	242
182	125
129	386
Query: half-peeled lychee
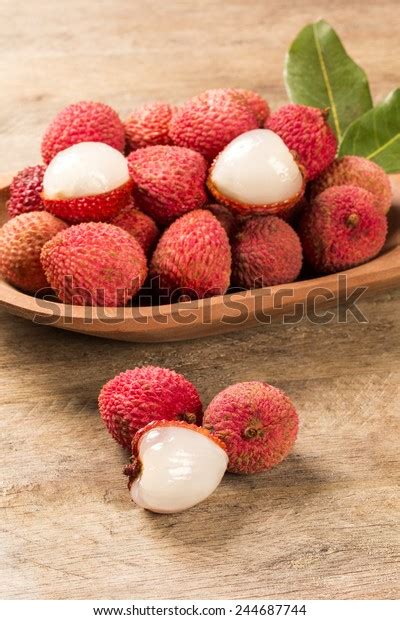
175	466
257	174
87	182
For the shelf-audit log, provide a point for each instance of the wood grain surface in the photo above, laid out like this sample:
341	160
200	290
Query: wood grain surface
324	524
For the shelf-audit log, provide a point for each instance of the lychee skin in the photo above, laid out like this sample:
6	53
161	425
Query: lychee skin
84	121
208	122
25	191
142	395
96	208
139	225
353	170
305	131
341	228
21	241
169	181
257	103
148	125
257	423
266	251
94	264
193	257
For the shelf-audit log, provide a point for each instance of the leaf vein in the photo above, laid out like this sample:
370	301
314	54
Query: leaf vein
327	84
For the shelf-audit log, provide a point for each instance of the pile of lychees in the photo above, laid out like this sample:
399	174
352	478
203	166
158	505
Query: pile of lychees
179	455
215	193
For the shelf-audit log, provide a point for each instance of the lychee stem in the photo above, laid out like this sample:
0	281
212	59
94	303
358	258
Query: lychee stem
251	432
132	470
188	417
325	113
352	220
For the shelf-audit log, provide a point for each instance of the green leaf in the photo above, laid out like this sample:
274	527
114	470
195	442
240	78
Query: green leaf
376	135
318	72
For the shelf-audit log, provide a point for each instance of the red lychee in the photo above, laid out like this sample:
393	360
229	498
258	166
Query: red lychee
352	170
84	121
142	395
341	228
169	181
305	131
21	241
139	225
94	264
257	423
193	257
265	252
208	122
257	103
148	125
224	216
25	190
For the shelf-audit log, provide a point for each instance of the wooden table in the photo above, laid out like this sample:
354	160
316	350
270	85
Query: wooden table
325	523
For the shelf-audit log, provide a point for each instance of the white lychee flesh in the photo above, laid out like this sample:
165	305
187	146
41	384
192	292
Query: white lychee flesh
84	169
257	168
180	467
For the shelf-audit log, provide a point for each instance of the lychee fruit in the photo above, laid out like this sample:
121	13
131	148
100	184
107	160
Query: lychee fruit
265	252
136	397
353	170
224	216
257	174
209	121
174	466
25	190
84	121
257	103
21	241
169	181
193	257
94	264
305	131
148	125
87	182
139	225
257	423
341	228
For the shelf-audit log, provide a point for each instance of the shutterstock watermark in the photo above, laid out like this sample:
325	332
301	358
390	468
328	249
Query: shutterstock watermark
287	304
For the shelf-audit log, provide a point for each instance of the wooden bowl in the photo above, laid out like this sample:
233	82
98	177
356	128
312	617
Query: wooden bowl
217	315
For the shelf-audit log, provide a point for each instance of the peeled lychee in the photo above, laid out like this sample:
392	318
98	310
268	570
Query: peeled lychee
21	241
257	423
139	225
352	170
209	121
341	228
174	466
193	257
87	182
257	174
25	190
257	103
169	181
305	131
139	396
265	252
148	125
85	121
94	264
